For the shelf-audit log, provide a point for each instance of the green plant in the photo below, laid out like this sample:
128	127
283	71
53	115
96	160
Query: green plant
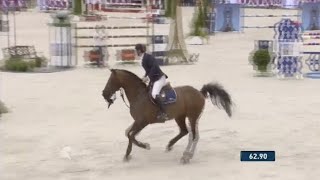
40	61
16	64
261	59
77	10
61	24
170	10
19	65
31	64
199	27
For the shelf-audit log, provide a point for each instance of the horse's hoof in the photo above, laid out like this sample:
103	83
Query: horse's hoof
147	145
127	158
185	160
187	154
169	148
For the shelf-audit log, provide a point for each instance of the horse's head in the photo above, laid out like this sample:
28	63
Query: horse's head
111	87
127	80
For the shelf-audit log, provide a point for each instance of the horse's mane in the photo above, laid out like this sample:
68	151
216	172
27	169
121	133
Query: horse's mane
138	79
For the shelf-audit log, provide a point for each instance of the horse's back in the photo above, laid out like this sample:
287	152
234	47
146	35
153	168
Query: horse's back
186	89
189	95
189	101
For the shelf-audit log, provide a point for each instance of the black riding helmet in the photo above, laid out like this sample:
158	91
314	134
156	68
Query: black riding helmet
140	47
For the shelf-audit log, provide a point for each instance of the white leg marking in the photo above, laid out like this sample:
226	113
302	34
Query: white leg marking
190	140
193	143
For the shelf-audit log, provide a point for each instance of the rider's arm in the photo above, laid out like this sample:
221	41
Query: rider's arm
145	65
153	66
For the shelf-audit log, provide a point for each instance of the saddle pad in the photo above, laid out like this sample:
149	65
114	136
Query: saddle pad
168	96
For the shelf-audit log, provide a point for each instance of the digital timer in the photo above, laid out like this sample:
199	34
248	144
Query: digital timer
257	156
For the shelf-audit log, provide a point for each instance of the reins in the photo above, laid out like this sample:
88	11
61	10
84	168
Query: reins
122	95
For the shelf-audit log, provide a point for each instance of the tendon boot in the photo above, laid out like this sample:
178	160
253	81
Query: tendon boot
162	116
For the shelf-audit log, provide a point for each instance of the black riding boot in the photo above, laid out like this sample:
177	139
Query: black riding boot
162	116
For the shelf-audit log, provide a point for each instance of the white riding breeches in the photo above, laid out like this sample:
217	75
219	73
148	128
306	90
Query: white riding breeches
157	86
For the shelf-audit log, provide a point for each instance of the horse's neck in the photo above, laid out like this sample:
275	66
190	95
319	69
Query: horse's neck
133	91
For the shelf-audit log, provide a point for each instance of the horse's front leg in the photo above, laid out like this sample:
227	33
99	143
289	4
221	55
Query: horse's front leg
127	156
131	133
136	142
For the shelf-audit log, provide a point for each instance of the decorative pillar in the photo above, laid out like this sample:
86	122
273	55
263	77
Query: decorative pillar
4	22
62	50
288	57
100	37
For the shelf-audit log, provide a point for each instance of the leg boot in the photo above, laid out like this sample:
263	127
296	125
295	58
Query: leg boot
162	116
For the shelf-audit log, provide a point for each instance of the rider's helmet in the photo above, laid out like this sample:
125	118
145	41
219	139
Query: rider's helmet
140	47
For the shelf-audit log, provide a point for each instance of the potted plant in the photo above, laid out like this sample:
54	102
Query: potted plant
261	61
199	30
20	64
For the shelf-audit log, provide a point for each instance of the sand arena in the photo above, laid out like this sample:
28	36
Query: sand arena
52	111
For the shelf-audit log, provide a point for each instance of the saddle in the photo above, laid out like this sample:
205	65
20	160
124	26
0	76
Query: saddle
167	94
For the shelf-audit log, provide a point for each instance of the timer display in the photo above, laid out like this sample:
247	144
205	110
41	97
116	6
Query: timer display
257	156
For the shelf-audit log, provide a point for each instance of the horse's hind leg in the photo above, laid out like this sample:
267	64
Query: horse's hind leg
193	139
181	121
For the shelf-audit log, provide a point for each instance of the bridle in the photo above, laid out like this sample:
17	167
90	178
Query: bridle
114	97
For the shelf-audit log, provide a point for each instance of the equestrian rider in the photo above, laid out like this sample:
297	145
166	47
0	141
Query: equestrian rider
156	76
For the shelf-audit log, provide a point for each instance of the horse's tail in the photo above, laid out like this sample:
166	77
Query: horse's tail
218	96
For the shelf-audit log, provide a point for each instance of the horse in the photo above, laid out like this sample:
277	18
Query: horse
189	103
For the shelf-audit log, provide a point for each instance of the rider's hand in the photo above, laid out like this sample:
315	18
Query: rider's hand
145	79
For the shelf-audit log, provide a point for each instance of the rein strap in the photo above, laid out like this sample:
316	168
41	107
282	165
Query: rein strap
122	95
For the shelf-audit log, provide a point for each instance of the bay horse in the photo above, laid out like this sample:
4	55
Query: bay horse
189	104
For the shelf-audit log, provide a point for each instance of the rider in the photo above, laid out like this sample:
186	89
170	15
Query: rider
156	76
